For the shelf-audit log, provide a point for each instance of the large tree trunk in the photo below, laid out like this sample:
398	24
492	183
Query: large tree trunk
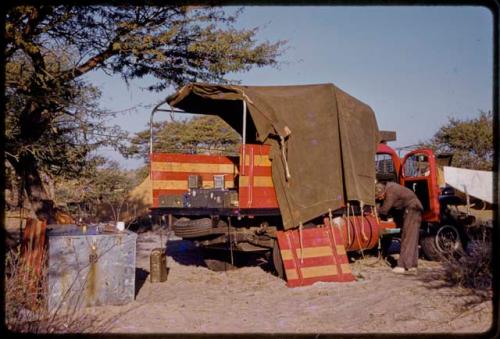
41	204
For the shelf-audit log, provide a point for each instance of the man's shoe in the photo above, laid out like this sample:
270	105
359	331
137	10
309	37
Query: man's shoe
402	270
398	270
412	270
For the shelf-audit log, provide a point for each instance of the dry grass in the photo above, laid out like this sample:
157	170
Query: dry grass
471	269
26	302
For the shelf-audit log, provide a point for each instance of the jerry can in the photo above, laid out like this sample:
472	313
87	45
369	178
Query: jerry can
158	265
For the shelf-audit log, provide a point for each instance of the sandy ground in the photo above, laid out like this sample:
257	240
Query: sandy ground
251	300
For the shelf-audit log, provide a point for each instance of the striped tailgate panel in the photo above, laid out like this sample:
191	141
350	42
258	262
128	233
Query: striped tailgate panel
256	182
170	172
322	257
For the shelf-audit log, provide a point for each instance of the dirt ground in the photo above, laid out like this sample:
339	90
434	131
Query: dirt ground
252	300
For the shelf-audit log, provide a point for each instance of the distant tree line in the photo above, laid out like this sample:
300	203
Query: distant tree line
201	134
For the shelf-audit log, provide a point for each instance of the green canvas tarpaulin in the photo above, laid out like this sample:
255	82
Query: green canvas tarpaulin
329	140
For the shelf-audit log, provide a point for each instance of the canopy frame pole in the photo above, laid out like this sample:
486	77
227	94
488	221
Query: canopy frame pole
155	109
244	137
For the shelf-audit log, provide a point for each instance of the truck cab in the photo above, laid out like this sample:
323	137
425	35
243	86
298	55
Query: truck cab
417	170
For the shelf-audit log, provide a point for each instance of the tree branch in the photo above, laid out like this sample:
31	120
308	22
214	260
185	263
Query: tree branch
35	17
98	59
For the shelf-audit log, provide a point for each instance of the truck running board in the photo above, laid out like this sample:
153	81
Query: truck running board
322	257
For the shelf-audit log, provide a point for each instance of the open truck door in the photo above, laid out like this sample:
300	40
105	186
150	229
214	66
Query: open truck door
441	236
419	173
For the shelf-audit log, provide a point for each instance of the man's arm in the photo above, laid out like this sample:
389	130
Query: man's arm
388	203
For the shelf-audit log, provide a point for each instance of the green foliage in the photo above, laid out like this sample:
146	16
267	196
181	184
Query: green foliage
141	173
203	134
470	141
63	145
108	186
108	183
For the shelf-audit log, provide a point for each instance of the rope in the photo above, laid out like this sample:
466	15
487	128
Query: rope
362	206
161	231
331	228
357	235
230	240
375	214
283	154
301	244
330	216
348	226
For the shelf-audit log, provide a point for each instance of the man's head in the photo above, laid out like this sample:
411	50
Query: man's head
379	191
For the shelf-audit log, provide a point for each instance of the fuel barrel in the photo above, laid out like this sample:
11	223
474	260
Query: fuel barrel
358	232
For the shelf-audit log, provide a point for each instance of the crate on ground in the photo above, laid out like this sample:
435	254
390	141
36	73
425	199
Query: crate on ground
90	267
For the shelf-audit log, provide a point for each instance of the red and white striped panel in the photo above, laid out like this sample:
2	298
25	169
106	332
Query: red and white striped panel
256	186
170	172
321	257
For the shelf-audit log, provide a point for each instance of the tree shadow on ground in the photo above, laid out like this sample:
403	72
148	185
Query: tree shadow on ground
438	279
140	278
184	252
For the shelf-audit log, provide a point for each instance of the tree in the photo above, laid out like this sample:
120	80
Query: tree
202	134
49	48
105	190
470	141
62	147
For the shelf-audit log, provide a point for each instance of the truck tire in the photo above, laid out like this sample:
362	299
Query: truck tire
444	242
278	261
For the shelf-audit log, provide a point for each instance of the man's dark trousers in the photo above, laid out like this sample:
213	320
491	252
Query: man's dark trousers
409	237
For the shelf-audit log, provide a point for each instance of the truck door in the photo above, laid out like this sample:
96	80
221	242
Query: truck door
419	173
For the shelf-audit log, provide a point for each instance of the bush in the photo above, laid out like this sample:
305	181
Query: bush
26	302
471	268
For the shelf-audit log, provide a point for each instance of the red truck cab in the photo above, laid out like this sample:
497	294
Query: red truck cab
417	170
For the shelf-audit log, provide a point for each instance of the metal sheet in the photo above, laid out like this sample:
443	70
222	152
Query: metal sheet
90	269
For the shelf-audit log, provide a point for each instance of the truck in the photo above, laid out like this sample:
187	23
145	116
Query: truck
307	153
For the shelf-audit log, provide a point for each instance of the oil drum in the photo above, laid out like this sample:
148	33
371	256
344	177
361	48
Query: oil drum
158	265
358	232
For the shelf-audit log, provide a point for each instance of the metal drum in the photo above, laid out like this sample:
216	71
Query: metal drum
358	232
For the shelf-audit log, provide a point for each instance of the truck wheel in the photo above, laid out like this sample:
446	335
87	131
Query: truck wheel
218	260
445	242
219	265
278	261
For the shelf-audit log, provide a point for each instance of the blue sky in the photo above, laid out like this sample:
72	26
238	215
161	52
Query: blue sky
415	66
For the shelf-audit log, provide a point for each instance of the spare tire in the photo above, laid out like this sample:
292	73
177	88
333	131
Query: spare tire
187	228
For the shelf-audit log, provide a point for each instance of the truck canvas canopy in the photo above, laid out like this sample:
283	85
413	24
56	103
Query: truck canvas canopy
323	141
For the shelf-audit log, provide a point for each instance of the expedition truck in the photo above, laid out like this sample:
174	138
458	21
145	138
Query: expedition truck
293	169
